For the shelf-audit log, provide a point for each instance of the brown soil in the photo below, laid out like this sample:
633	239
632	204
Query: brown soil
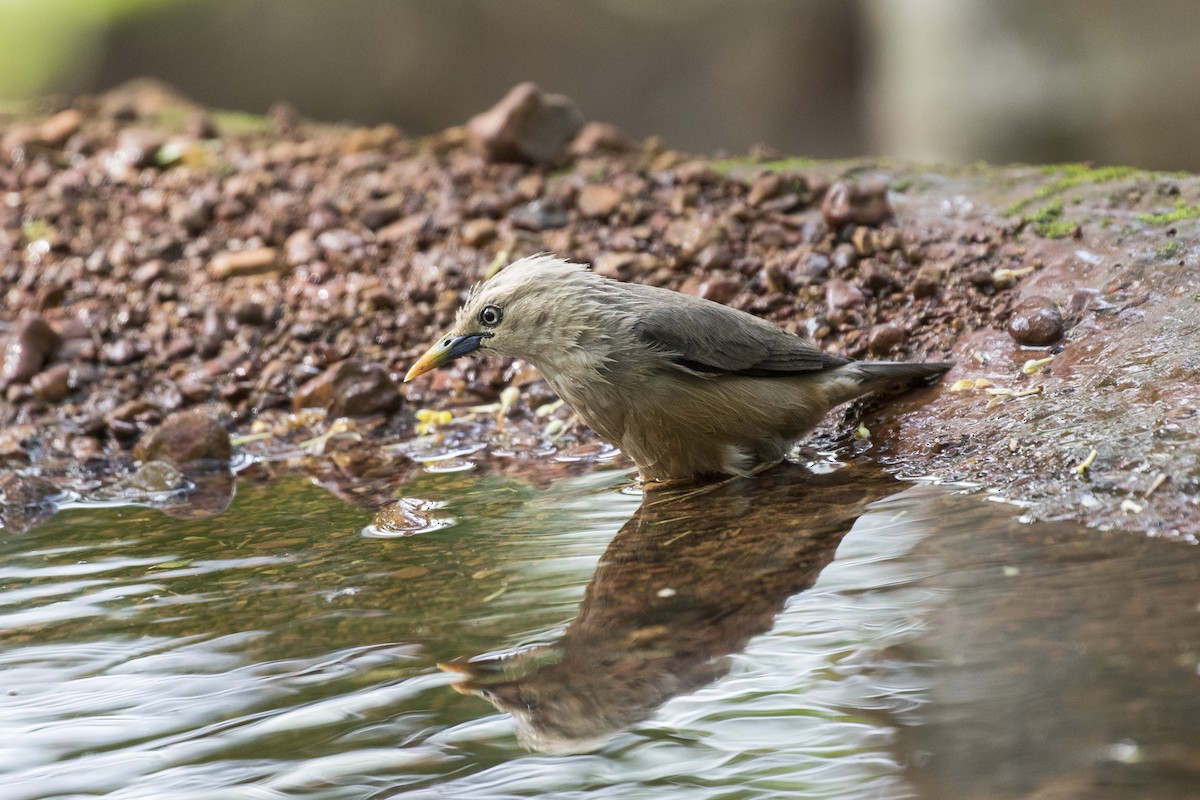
156	258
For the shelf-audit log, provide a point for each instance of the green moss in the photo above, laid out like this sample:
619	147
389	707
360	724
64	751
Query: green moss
1048	222
1181	211
724	166
1071	175
1169	250
240	122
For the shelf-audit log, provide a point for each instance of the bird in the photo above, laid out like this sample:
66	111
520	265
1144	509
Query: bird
684	386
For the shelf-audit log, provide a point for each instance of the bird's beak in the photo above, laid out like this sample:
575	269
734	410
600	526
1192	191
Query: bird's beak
444	352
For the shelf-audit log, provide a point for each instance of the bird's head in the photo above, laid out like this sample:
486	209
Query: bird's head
526	311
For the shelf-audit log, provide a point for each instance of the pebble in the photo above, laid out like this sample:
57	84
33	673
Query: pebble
764	188
597	200
539	215
52	384
842	295
856	204
258	261
31	345
187	439
527	125
350	389
596	138
1036	322
478	232
720	289
883	338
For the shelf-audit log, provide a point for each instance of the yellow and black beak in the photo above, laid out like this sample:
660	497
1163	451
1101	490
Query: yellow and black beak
444	352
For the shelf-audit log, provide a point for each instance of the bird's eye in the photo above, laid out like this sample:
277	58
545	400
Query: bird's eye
491	316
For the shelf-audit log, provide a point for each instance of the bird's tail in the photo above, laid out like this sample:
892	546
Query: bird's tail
874	375
862	377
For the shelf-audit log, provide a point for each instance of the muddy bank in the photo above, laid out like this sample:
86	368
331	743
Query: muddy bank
279	275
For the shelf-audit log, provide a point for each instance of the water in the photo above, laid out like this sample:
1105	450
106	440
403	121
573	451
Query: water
839	635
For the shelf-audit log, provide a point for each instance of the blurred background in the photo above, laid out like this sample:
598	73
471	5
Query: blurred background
932	80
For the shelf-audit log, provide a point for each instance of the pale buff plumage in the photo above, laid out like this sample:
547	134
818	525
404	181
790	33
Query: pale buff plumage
682	385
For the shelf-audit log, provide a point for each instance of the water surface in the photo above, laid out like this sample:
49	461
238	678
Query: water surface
835	635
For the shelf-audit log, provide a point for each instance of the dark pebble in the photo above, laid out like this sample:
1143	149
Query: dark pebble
31	344
187	439
856	204
882	339
1036	322
350	389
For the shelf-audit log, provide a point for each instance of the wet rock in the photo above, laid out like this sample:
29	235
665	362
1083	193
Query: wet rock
856	204
526	126
31	344
883	338
25	501
1036	322
478	232
258	261
187	439
350	389
597	200
600	138
147	484
539	215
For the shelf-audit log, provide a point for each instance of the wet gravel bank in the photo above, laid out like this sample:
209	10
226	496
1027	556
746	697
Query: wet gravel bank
278	274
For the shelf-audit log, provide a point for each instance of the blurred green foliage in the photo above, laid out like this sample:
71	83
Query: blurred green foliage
42	40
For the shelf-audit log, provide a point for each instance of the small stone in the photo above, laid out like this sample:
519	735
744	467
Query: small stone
876	277
60	127
539	215
350	389
52	384
597	138
478	232
1036	322
841	295
526	126
258	261
597	200
929	278
764	188
248	312
882	339
187	439
817	265
856	204
374	214
31	345
720	289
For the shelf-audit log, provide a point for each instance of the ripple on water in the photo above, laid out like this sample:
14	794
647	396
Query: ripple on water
275	651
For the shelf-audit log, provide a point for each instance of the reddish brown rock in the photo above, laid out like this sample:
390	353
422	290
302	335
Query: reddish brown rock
245	262
597	200
187	439
350	389
1036	322
856	204
883	338
841	295
30	346
526	126
600	138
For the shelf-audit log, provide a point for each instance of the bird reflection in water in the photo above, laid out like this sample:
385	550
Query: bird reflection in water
687	581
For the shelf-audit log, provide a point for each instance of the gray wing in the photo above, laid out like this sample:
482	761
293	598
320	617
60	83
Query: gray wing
708	338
